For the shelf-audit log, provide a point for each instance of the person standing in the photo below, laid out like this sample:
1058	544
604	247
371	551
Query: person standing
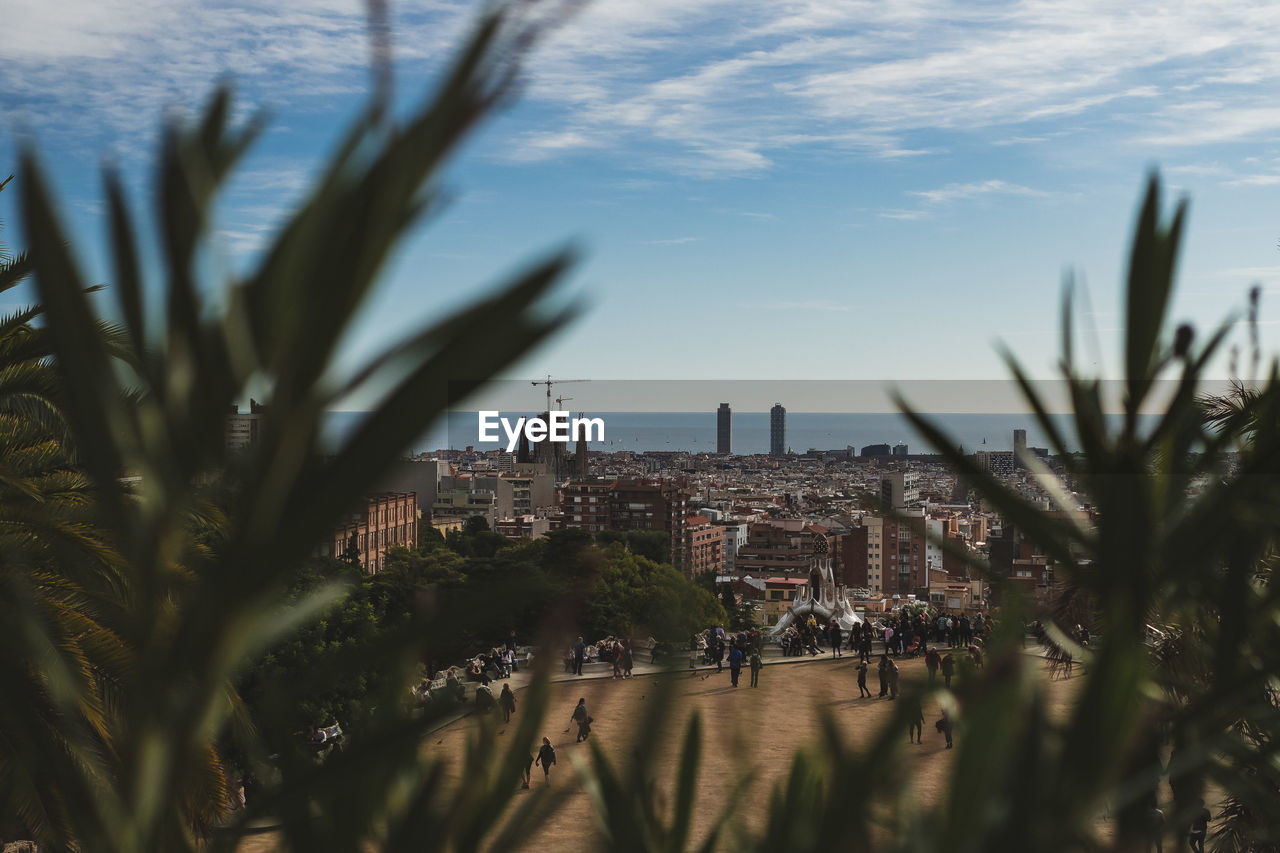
862	680
948	669
836	637
864	647
735	663
582	719
893	680
931	661
884	675
546	757
579	656
507	702
756	665
1199	828
915	721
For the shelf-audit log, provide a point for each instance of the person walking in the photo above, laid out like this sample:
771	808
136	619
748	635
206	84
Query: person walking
893	680
944	726
507	702
756	665
735	663
864	647
582	719
948	669
862	680
884	676
1155	829
836	637
546	757
579	656
1199	828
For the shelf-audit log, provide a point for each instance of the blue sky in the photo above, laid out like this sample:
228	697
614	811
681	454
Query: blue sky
762	189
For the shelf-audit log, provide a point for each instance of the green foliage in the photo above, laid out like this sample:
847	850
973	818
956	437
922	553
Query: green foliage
635	597
650	544
128	614
193	609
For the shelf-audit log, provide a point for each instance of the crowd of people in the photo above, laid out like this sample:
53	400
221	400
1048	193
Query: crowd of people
618	651
903	634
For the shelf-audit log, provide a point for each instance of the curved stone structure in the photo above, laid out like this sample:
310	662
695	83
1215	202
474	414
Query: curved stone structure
820	597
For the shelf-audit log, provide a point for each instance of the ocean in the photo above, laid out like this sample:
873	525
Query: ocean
695	432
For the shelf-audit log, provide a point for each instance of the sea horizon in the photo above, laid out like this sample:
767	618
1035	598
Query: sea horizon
695	432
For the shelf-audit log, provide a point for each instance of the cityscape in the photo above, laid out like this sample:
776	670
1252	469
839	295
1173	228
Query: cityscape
751	520
610	425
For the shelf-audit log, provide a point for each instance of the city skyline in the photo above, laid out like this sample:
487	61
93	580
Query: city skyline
733	172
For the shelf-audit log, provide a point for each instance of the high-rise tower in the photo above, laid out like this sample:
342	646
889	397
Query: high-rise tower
724	429
777	430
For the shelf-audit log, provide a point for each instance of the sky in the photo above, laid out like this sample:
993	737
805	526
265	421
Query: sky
760	189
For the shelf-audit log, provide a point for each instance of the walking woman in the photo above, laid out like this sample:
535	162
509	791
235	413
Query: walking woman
546	757
583	720
507	702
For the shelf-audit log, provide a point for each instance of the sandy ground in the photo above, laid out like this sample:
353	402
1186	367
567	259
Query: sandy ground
744	729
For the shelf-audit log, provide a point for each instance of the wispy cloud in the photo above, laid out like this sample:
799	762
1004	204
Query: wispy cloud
960	191
907	215
673	241
809	305
1261	180
712	87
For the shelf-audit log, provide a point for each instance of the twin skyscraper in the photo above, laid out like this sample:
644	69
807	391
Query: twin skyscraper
777	430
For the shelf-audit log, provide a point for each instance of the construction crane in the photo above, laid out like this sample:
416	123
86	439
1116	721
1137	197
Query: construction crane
560	401
549	382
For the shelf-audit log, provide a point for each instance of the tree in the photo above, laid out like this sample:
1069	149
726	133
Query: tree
351	552
637	597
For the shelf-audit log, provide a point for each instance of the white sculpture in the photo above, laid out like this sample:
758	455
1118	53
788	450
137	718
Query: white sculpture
820	597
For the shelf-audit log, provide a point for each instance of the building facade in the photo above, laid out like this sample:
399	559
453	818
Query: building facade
653	504
777	430
724	430
378	523
243	428
704	545
586	505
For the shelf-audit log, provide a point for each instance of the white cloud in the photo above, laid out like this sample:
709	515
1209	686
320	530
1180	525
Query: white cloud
957	192
906	215
710	87
1265	180
809	305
